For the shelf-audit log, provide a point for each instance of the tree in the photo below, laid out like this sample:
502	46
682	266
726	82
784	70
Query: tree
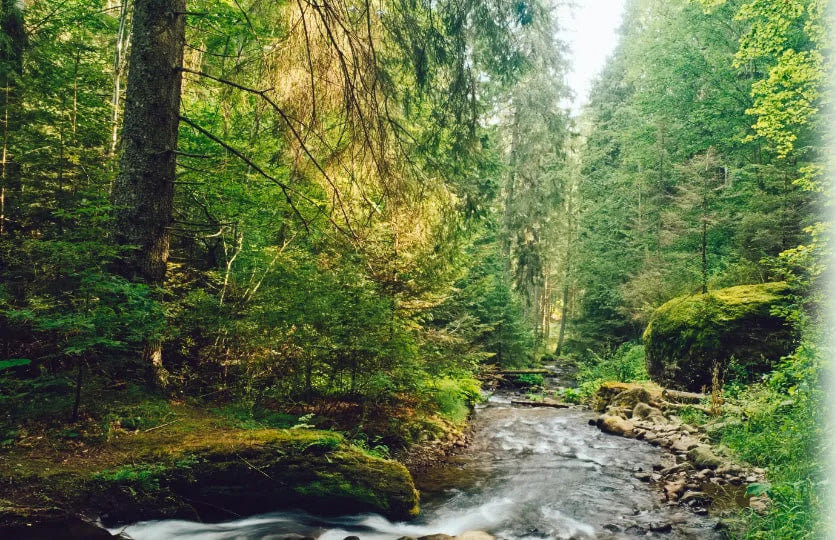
143	193
12	43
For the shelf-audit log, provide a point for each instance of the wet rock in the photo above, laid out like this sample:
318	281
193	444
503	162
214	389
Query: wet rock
728	468
684	444
674	489
644	411
351	538
612	528
704	473
643	476
436	537
616	425
475	535
704	458
661	527
673	469
294	536
636	530
698	497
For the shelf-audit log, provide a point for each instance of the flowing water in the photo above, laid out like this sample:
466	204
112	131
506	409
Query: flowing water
530	473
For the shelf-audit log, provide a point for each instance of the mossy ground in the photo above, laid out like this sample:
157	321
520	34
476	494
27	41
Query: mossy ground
147	457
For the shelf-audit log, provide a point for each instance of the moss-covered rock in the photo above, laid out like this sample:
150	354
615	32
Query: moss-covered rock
256	472
687	335
218	473
614	393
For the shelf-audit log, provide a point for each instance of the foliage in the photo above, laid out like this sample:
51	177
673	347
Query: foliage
454	398
530	379
625	364
779	425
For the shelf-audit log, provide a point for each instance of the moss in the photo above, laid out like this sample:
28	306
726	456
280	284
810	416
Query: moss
200	467
687	335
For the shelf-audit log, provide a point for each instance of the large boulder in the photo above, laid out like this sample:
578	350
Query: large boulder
211	475
688	335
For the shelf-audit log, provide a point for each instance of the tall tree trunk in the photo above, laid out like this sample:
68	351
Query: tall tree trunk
567	266
118	68
11	68
143	193
564	312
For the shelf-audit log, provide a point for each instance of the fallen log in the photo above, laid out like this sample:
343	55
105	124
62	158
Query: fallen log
683	397
544	403
525	372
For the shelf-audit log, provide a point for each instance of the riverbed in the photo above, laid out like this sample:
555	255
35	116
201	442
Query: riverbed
529	473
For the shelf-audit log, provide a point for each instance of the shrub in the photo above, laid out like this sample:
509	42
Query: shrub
626	364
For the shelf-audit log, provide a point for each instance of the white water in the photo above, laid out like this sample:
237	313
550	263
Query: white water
530	473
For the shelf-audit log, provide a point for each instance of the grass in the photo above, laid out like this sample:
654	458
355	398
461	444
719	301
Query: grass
625	364
778	425
454	398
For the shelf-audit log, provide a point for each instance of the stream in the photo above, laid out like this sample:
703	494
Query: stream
529	473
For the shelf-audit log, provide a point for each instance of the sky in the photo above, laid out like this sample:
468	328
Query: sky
590	28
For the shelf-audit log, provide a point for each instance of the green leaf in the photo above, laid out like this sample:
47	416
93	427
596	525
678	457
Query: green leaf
755	489
14	362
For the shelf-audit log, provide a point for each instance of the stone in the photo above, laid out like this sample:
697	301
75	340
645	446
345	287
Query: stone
684	444
673	469
661	527
475	535
351	538
636	530
760	503
686	336
704	458
628	399
436	537
696	496
642	410
616	426
643	476
674	489
608	391
612	528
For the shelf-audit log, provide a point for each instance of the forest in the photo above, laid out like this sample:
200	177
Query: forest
325	227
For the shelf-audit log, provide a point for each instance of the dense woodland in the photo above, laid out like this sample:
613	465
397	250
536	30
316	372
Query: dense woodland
356	207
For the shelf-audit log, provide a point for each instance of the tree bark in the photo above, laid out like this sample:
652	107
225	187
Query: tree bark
143	193
118	69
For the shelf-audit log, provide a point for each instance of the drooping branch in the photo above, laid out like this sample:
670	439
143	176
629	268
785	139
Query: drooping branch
296	135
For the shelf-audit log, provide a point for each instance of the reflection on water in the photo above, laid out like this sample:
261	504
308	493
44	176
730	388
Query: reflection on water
530	473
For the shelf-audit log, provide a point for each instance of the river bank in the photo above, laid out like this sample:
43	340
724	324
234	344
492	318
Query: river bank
527	473
515	471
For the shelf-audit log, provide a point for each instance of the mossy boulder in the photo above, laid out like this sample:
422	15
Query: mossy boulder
688	335
258	471
217	473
